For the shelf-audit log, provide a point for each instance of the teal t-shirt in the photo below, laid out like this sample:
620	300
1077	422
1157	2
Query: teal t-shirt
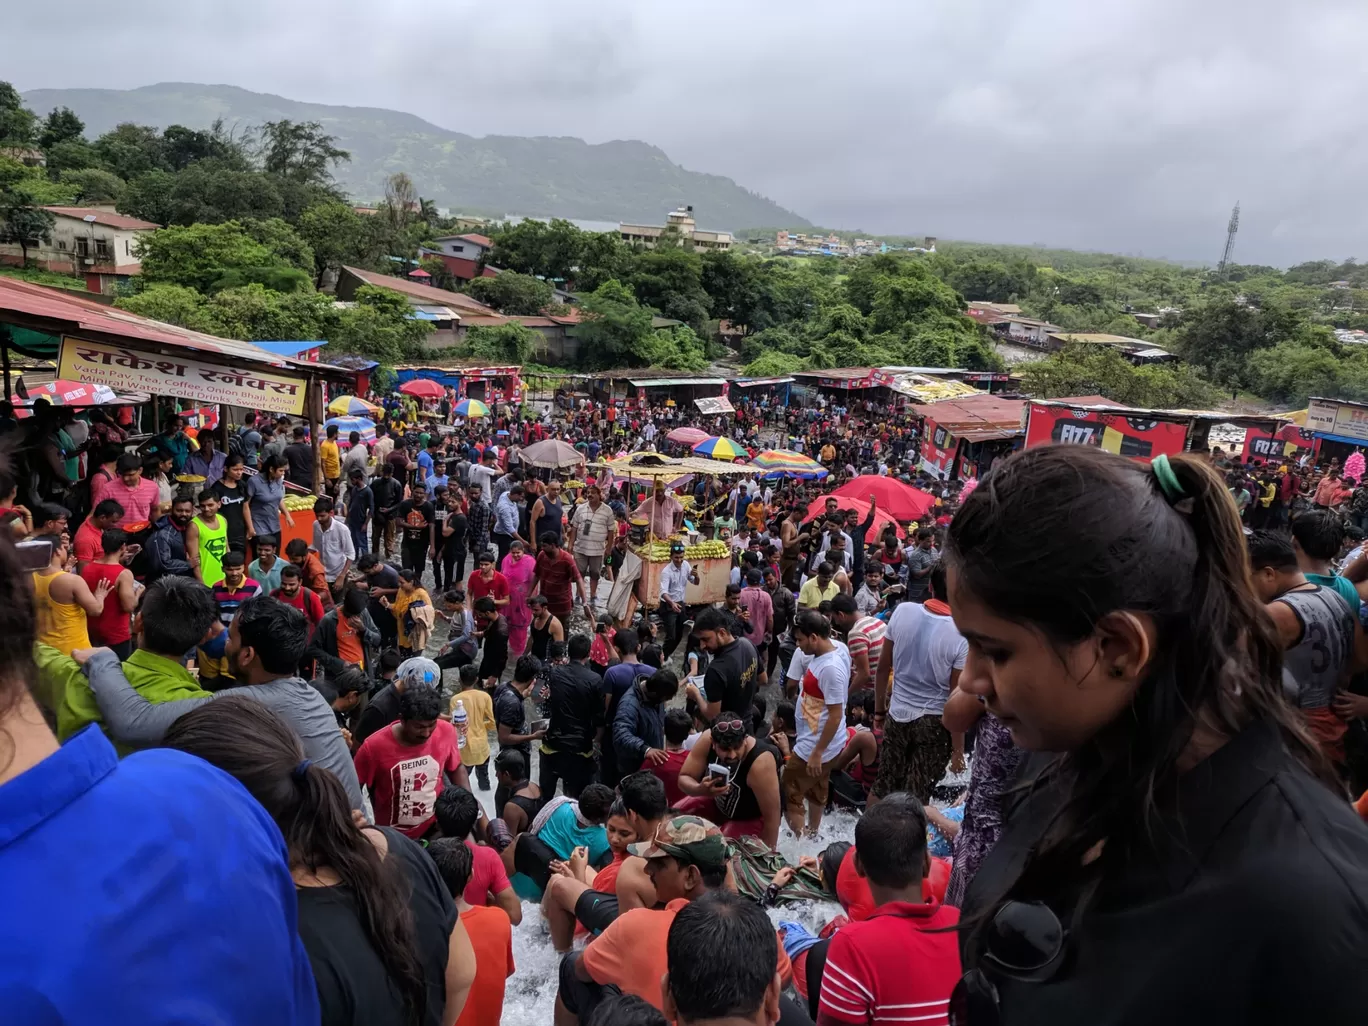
1336	583
563	833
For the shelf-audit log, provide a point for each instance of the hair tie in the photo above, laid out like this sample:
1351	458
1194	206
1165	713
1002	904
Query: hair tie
1169	484
300	771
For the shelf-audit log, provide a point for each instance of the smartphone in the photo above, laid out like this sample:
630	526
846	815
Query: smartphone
540	725
718	772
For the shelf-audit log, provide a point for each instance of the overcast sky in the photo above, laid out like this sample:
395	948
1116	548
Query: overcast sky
1129	125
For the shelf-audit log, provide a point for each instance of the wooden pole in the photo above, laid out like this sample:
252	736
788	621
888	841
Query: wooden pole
4	355
314	411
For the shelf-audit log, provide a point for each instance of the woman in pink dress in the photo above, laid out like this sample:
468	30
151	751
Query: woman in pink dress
517	568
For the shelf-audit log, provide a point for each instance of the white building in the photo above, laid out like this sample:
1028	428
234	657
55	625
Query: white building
682	222
94	242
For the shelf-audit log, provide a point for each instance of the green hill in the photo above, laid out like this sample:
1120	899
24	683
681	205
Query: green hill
538	176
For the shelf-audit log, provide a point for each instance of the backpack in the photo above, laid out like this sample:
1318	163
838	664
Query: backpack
235	444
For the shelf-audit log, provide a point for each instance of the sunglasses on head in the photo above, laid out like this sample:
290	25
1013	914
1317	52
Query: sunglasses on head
729	727
1025	941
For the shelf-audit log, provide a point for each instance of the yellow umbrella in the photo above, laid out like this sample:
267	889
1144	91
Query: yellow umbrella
353	406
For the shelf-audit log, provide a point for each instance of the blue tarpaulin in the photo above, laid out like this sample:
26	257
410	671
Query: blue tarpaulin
289	349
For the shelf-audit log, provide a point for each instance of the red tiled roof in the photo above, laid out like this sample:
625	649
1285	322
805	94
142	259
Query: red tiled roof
459	302
104	217
479	240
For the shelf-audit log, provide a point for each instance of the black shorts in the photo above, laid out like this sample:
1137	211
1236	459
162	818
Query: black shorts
595	910
533	858
580	998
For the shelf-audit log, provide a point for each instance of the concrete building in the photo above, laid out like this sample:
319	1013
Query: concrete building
93	242
682	222
462	255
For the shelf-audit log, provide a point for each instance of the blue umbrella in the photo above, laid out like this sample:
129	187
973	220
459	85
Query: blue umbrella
346	425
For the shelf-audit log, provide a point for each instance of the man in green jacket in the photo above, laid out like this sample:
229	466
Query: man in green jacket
177	614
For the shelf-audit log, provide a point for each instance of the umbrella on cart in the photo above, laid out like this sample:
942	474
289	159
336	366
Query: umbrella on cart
352	406
787	463
471	408
687	436
817	507
346	425
423	388
895	498
551	452
720	448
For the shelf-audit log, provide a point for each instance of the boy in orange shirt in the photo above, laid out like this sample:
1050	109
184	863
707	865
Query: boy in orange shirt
491	935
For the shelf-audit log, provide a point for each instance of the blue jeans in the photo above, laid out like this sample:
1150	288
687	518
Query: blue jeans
358	535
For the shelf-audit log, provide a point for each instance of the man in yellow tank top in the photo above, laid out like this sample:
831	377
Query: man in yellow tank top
206	541
62	602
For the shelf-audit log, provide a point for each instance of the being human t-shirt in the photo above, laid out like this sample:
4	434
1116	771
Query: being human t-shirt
823	680
405	780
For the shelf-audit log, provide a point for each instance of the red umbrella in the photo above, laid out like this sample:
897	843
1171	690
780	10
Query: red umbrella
817	507
419	273
423	388
895	498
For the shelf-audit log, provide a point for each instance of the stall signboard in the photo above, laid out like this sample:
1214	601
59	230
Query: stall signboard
1289	440
938	449
1350	422
182	377
1141	438
847	383
1320	416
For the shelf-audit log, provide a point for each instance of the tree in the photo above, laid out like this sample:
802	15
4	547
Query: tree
149	197
174	304
23	223
208	192
335	233
678	348
1082	369
17	122
512	293
613	328
61	126
602	257
774	365
130	150
94	185
898	300
378	327
503	343
72	155
209	257
551	251
671	281
300	152
181	147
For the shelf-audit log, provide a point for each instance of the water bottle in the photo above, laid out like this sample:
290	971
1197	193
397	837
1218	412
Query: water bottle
458	720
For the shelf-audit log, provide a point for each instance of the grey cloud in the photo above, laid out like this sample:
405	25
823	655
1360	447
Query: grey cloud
1130	126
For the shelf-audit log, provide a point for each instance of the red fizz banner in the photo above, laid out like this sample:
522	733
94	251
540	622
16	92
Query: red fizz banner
1138	437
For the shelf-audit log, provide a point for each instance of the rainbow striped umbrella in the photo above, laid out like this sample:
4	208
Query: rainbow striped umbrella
352	406
787	463
346	425
471	408
720	448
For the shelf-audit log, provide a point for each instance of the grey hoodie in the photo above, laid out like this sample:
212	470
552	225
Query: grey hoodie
134	720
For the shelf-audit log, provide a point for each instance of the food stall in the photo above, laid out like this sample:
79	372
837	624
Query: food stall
711	559
961	438
1141	434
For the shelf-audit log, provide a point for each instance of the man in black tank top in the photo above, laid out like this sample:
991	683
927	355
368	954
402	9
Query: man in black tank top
747	802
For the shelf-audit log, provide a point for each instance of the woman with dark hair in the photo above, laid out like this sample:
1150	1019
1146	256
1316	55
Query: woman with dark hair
88	915
381	931
1187	857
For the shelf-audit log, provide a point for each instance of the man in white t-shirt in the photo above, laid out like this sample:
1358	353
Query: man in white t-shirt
923	652
821	670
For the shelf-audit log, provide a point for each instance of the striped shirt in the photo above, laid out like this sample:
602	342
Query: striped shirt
867	635
893	967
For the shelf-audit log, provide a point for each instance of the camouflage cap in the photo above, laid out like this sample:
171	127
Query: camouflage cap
687	838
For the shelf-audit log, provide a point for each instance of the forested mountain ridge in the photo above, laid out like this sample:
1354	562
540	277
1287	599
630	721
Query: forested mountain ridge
560	176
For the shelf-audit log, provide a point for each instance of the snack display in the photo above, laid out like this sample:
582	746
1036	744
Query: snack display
296	503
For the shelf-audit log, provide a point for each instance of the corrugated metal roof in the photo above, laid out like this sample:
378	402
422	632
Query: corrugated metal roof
757	382
105	217
74	315
985	412
662	382
837	373
416	290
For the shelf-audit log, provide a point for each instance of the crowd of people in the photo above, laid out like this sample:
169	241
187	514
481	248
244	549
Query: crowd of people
342	770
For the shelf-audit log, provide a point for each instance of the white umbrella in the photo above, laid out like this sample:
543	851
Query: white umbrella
551	452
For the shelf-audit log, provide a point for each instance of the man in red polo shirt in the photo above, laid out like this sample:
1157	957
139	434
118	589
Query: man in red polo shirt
904	959
554	574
